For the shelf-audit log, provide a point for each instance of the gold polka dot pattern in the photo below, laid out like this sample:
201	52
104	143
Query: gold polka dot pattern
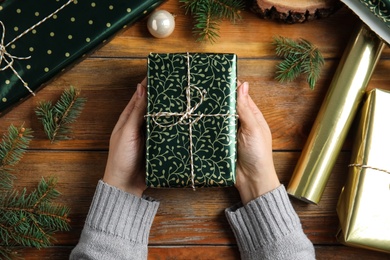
47	49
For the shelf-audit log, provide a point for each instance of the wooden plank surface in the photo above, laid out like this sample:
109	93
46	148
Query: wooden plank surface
192	225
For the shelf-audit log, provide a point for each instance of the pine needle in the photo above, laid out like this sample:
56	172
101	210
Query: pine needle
208	14
7	253
26	219
56	119
300	57
12	147
32	219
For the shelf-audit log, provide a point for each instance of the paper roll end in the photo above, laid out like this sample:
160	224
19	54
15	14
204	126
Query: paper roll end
302	197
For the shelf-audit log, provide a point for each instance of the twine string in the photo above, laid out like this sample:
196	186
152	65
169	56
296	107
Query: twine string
368	167
9	59
189	117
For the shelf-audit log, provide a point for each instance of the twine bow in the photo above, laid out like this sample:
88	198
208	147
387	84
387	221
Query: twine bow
9	59
188	117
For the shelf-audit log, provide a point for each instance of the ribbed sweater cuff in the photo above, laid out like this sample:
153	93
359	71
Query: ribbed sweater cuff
121	214
264	220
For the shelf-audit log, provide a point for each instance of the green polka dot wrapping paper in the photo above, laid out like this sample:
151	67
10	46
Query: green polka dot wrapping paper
191	120
64	32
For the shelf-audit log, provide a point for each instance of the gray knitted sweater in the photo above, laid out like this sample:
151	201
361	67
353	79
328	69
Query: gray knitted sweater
118	226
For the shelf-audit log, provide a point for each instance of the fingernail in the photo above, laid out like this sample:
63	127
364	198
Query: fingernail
140	90
245	88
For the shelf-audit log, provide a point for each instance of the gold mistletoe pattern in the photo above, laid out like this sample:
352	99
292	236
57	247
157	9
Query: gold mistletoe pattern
380	8
206	137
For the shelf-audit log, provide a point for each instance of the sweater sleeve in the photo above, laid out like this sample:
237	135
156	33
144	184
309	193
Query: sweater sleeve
117	226
269	228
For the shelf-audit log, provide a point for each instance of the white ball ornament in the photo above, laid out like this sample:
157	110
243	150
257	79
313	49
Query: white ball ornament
161	24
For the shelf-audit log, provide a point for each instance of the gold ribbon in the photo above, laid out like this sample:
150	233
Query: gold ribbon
9	59
188	115
368	167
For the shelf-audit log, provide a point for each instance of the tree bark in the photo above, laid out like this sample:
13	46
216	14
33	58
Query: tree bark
295	11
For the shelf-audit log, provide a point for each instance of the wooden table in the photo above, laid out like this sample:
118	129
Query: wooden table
192	225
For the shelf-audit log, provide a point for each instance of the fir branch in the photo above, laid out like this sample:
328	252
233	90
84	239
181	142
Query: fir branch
12	147
206	27
300	57
56	119
208	14
26	219
32	219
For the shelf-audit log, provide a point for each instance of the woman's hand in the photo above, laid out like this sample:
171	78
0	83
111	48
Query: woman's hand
125	168
256	173
255	169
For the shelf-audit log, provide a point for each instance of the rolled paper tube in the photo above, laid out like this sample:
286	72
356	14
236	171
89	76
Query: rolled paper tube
335	115
375	14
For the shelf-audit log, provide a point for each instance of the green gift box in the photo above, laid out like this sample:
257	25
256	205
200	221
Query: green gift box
41	38
191	120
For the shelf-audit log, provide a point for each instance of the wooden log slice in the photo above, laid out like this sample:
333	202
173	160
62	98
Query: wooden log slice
295	11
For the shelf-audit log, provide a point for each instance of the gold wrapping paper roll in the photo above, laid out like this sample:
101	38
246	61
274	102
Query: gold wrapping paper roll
363	207
335	116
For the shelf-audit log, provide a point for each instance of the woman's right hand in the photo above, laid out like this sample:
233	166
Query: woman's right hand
256	173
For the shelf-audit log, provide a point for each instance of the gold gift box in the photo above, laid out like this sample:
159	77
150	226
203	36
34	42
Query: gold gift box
364	204
336	115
